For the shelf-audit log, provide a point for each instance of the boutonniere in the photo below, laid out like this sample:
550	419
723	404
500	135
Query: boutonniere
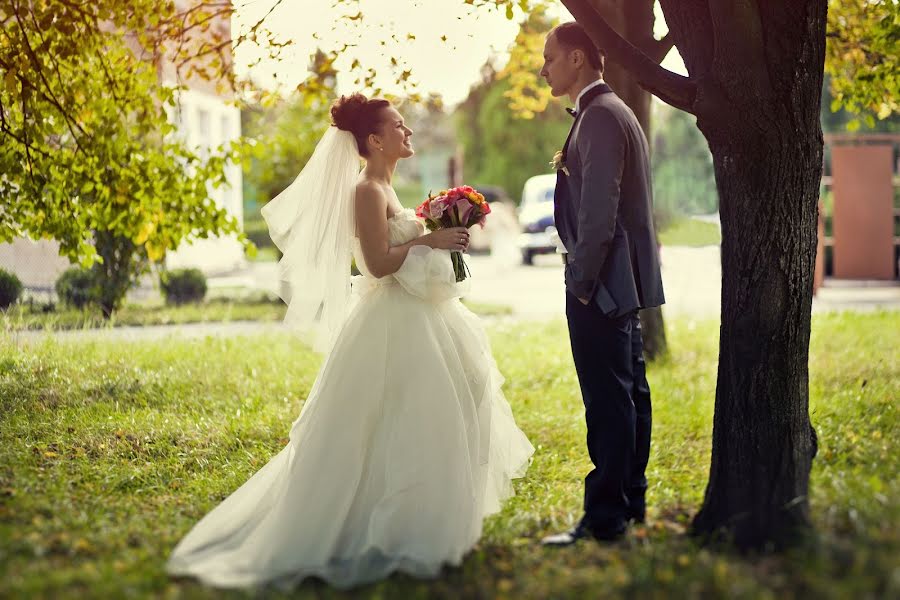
558	163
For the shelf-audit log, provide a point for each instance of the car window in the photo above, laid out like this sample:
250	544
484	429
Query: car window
540	196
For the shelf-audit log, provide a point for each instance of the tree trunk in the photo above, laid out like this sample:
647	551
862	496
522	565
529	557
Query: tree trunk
123	262
768	166
762	447
634	21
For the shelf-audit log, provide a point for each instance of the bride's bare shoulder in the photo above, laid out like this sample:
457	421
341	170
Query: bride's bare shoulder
369	189
370	196
366	184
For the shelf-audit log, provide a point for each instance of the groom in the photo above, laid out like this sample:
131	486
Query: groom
604	219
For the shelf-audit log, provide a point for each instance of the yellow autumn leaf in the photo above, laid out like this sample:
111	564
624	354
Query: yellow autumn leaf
11	81
144	234
155	253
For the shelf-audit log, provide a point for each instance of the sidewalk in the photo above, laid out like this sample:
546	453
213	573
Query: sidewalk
151	332
838	295
691	277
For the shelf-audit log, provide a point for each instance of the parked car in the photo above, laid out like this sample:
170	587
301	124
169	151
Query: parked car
500	224
536	217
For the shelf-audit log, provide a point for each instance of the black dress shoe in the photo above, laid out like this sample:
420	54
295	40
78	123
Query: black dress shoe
638	517
610	533
637	511
566	538
581	531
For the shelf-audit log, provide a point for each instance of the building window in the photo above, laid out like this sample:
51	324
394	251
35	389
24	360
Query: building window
203	137
183	120
227	198
226	129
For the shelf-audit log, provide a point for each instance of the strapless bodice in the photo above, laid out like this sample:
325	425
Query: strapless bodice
403	227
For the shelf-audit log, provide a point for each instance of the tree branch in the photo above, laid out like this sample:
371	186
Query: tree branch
48	93
657	50
88	17
59	78
29	161
689	24
674	89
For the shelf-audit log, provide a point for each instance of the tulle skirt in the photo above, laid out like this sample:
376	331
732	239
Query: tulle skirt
405	444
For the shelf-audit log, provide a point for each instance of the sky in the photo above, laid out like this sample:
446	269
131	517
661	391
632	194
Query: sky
449	68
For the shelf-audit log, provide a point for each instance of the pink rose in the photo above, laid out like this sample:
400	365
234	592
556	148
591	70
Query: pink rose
437	207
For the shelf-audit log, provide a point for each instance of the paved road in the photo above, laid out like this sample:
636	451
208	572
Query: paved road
691	277
150	332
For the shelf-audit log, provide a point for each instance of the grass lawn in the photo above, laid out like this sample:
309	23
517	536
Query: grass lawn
690	232
23	317
111	451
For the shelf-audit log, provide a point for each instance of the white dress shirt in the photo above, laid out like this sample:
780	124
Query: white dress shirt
584	91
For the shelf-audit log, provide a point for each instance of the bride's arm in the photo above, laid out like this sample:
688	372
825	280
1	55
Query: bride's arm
374	237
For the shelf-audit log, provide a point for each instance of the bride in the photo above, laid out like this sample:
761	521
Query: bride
406	442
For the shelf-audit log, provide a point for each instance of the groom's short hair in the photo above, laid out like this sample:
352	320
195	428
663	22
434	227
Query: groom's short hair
573	36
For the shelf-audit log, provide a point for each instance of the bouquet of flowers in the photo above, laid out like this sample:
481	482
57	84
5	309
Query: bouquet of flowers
457	207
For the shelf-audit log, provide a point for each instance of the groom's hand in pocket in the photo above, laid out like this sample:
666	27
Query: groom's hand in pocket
569	280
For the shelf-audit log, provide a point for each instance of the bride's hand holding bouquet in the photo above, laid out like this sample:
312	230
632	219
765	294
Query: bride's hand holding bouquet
455	210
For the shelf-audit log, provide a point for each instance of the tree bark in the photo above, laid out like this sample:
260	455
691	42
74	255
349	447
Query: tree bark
123	263
768	165
633	20
762	447
756	93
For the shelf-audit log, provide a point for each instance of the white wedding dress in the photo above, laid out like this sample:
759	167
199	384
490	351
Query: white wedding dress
405	444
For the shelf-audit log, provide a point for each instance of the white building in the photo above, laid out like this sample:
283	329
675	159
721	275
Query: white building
205	119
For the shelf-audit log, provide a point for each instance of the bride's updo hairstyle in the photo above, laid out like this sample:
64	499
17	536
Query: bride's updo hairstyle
358	115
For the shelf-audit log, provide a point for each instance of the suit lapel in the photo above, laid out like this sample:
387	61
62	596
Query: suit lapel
585	100
561	199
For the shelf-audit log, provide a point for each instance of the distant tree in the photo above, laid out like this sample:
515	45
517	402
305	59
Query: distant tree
862	57
284	132
501	146
683	178
842	120
88	155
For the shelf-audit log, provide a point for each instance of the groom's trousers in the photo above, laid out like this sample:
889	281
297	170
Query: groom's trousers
608	354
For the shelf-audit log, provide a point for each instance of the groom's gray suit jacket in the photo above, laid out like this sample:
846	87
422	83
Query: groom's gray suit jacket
602	208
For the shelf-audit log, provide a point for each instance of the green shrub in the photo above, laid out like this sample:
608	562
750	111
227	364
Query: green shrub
10	289
182	286
75	287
